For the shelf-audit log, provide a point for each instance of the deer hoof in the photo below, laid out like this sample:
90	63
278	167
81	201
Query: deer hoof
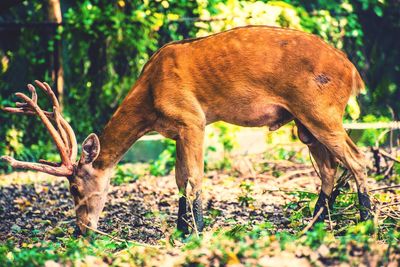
365	206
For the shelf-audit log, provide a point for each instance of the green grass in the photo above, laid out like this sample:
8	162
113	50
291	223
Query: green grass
247	243
241	243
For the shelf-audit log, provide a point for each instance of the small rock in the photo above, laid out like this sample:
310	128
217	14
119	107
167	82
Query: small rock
15	228
323	251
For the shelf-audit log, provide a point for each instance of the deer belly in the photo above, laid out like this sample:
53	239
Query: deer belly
273	116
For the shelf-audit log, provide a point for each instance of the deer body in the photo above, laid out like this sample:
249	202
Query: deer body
249	76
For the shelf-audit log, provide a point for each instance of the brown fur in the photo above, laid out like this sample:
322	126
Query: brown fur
249	76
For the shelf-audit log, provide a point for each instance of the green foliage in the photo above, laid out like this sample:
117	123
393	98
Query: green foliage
64	250
226	135
165	161
372	137
240	13
246	199
224	246
316	237
239	243
123	176
106	43
353	109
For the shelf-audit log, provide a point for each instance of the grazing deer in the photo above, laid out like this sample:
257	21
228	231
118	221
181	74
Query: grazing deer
248	76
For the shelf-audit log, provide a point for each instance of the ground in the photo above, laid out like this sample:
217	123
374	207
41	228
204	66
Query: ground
254	213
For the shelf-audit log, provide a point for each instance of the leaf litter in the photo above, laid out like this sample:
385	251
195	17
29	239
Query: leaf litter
279	192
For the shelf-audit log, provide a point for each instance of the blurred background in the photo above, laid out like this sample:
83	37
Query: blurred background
91	53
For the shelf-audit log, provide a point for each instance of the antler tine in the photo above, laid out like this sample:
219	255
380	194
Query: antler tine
32	89
72	139
61	130
47	89
66	129
58	171
23	108
26	112
53	132
53	164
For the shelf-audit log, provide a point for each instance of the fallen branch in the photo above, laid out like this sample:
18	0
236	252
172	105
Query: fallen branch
311	223
193	218
117	238
387	155
390	204
384	188
287	176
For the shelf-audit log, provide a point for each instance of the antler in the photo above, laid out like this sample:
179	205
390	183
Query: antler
62	134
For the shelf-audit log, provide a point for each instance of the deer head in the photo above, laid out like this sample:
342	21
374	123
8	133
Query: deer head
86	186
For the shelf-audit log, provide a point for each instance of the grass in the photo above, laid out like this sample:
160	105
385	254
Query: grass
225	246
249	243
262	243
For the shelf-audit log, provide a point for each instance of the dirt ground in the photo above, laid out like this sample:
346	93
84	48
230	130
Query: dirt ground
145	210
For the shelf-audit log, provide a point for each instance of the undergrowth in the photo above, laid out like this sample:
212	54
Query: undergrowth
240	243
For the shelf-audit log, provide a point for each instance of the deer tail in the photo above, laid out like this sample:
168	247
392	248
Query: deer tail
358	85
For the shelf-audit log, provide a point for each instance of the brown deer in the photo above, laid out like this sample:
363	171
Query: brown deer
248	76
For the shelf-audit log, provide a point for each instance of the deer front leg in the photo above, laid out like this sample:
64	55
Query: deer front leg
189	168
181	181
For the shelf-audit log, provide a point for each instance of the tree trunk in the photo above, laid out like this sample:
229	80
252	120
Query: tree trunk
54	15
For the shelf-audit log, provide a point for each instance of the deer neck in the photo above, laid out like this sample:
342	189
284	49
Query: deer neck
132	119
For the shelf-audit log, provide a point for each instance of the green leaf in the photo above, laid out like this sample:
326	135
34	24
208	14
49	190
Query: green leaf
378	11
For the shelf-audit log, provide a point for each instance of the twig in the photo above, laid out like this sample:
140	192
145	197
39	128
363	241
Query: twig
395	212
188	223
117	238
394	217
341	229
329	214
389	169
384	188
103	233
390	204
380	137
312	162
376	222
287	176
344	213
311	223
348	207
192	213
387	155
287	190
250	166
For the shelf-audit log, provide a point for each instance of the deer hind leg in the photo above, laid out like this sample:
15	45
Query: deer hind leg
355	161
336	140
327	166
190	168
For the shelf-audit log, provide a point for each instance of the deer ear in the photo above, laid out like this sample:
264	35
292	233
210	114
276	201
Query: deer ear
90	149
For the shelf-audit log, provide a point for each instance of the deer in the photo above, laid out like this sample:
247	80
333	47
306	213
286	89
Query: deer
249	76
